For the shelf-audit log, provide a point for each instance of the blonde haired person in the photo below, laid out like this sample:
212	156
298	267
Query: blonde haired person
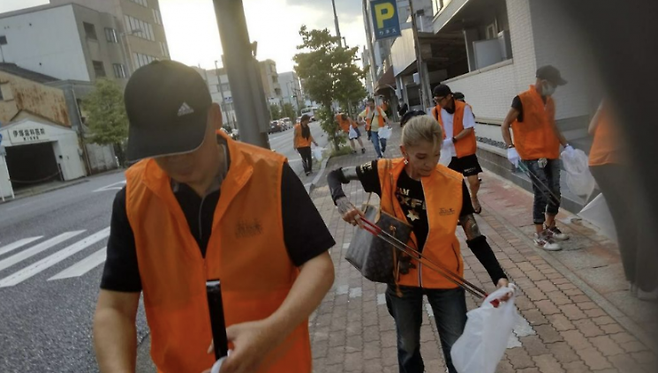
433	199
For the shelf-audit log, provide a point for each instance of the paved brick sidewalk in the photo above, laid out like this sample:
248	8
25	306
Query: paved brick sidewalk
570	323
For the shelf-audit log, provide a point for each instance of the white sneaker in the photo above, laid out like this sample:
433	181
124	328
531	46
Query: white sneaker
546	242
555	233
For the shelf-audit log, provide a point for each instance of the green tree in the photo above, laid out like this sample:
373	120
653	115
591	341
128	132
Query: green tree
329	74
106	116
275	111
289	111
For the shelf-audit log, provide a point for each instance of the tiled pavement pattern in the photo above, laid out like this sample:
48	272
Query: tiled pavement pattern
564	328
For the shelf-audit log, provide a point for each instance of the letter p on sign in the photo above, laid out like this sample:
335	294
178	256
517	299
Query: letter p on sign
383	12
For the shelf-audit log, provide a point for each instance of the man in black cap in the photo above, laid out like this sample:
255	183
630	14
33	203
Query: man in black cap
197	207
536	148
458	123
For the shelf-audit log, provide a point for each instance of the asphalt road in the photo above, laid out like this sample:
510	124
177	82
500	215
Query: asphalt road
51	261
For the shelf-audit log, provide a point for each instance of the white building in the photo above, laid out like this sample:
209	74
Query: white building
68	42
291	89
220	92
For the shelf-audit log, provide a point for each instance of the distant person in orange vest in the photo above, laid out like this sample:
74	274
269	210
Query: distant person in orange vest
375	119
302	140
536	146
197	207
432	199
348	125
458	122
610	168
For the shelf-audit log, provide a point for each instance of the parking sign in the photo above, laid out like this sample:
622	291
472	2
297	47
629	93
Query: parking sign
385	18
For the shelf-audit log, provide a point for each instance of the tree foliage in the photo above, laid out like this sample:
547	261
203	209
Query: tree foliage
289	111
106	116
275	110
328	74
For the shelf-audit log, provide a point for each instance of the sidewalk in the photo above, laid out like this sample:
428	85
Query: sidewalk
578	315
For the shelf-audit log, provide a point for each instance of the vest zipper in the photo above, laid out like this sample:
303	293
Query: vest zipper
201	228
420	265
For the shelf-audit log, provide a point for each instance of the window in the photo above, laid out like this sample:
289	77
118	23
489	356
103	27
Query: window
111	35
275	79
99	69
164	49
139	28
142	59
226	87
119	71
3	40
90	31
157	17
141	2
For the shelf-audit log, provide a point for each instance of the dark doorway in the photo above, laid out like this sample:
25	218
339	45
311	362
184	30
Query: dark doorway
32	164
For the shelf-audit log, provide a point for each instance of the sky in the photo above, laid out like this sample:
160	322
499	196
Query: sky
193	38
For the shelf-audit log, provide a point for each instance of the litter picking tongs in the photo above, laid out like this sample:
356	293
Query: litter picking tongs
415	254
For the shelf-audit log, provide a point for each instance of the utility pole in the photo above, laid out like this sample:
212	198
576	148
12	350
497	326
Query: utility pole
243	74
333	4
419	61
221	94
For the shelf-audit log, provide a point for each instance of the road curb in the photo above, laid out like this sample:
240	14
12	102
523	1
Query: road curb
32	194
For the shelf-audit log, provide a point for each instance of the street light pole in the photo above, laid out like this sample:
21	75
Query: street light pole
243	74
333	4
221	94
419	60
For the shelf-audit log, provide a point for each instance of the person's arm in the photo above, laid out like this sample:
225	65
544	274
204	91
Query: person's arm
294	138
367	174
469	124
512	115
594	123
558	134
115	334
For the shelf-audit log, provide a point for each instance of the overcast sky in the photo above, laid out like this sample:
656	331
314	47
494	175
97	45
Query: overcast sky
192	29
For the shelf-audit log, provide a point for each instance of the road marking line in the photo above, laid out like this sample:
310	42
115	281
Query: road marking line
16	258
83	266
17	244
45	263
111	187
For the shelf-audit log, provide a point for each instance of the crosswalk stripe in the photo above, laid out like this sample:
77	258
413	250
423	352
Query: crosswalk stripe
83	266
15	245
47	262
8	262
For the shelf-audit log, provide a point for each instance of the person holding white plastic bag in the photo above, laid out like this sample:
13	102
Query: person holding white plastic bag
351	129
302	143
432	199
375	118
536	148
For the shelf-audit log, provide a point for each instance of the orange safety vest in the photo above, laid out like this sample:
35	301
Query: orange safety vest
246	251
443	198
300	141
465	146
345	124
605	148
535	138
380	119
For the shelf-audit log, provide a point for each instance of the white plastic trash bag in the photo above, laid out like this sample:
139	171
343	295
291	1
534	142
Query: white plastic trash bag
317	153
483	343
445	157
579	179
352	135
385	132
598	213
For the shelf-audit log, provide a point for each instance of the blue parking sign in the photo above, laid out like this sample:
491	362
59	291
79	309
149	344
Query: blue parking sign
385	18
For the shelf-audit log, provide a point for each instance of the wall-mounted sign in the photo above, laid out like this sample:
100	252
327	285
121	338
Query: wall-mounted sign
385	18
28	135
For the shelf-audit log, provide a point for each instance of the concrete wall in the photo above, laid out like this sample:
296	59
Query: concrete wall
46	41
44	101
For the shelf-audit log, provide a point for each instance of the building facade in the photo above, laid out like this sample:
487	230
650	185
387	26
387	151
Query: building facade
141	24
291	89
271	84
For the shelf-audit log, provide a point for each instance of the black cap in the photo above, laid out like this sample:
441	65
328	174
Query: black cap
441	90
410	114
304	118
167	105
458	96
551	74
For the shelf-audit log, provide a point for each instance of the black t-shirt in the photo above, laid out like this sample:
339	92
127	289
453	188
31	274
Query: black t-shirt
409	193
518	105
304	232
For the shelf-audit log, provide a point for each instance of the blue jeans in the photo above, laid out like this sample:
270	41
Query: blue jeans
374	137
449	307
546	187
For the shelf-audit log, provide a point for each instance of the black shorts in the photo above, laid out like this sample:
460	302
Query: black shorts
468	165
